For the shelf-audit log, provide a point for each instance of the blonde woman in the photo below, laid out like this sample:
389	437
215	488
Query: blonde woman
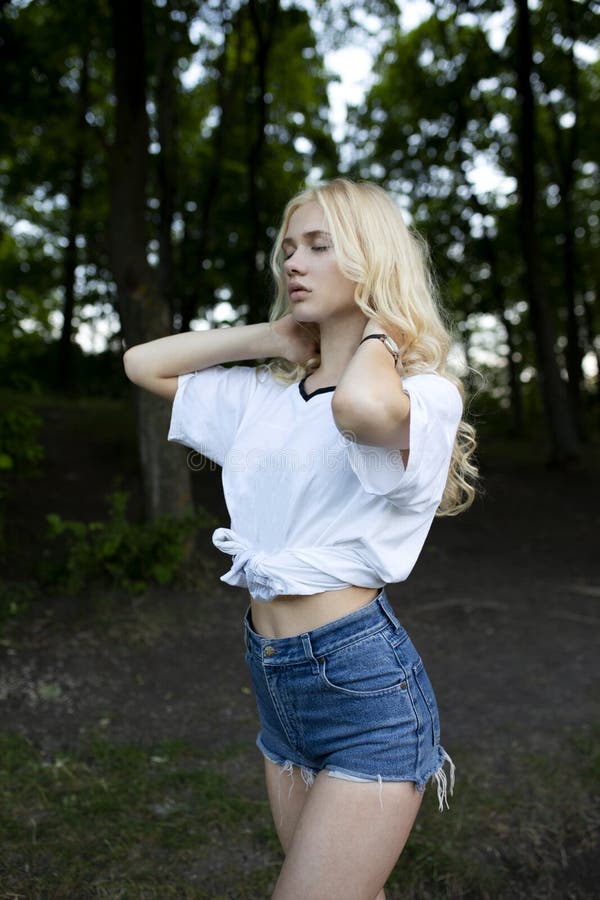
336	457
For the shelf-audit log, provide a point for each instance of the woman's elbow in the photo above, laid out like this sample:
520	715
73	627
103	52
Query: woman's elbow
128	364
380	420
132	364
352	415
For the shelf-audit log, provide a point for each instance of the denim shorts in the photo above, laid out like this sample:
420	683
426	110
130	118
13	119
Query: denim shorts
351	697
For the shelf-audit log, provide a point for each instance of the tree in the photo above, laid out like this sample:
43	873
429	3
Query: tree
558	413
425	126
263	97
53	169
445	102
143	310
95	221
568	141
75	202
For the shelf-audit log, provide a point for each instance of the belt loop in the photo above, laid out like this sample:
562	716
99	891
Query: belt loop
386	608
308	652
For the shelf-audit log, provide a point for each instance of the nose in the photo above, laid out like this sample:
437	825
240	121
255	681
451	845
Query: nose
295	263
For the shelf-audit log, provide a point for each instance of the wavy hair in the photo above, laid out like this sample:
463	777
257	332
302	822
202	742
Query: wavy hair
390	266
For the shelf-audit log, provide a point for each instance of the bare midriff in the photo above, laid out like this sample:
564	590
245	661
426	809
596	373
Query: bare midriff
290	614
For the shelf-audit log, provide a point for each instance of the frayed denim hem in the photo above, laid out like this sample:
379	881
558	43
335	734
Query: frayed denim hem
286	767
444	783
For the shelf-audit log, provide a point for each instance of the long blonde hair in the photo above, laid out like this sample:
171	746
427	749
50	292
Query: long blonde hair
394	284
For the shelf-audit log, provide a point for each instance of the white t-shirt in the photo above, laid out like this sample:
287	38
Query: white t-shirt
311	510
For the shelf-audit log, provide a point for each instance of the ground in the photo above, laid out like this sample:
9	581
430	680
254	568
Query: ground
503	604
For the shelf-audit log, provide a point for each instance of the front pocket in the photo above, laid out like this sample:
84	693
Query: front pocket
365	668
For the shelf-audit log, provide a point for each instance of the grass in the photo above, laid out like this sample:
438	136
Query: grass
117	821
525	828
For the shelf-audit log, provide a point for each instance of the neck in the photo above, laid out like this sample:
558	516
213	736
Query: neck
339	340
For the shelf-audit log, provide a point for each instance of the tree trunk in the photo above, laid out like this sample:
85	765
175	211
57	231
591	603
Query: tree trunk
514	370
590	340
65	345
566	145
471	382
574	351
211	188
559	420
263	17
460	117
144	313
166	107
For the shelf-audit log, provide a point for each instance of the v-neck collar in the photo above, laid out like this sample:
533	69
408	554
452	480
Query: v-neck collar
305	396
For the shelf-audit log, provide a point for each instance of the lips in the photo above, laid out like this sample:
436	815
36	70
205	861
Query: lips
296	290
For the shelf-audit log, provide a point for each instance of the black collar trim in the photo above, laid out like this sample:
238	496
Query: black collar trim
305	396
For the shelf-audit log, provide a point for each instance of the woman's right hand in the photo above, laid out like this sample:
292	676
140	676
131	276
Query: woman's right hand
297	342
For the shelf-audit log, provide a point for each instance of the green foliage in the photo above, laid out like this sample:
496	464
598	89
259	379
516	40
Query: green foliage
59	111
255	173
30	365
20	450
20	454
445	103
15	599
45	46
227	151
119	552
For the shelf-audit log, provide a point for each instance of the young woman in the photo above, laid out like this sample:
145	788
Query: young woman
335	457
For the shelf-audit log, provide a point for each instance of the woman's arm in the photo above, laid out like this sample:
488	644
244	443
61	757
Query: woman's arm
369	405
156	365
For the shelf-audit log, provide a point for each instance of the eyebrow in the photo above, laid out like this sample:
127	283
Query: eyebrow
307	234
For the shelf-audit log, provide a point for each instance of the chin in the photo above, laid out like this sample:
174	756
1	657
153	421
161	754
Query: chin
303	314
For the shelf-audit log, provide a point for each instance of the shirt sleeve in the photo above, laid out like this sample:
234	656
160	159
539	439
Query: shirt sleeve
208	408
435	414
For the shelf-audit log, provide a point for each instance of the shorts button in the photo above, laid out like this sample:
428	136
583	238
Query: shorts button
270	651
402	685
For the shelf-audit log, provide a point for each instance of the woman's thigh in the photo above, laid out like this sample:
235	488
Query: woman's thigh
347	838
288	792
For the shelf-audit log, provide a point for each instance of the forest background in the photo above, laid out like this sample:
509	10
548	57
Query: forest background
147	148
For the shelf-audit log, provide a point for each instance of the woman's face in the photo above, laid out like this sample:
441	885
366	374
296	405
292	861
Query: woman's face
317	289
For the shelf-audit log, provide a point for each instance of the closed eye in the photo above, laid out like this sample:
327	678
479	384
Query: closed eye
318	248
